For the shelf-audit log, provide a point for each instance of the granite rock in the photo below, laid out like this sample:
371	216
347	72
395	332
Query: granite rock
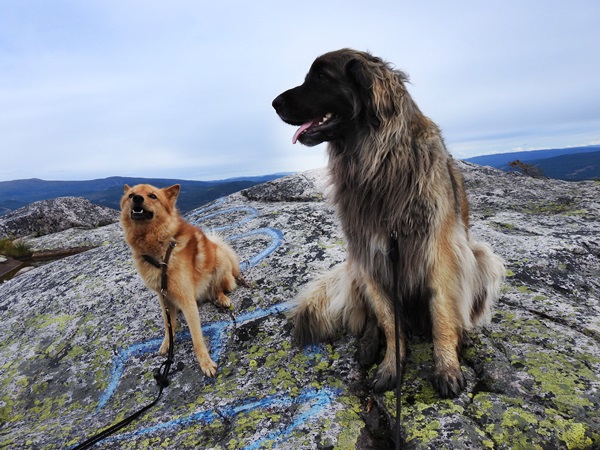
79	337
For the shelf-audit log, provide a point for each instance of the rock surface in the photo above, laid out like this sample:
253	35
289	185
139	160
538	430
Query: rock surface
57	214
79	337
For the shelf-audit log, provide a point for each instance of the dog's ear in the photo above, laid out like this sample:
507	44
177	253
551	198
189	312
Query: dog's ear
172	192
126	188
362	82
379	87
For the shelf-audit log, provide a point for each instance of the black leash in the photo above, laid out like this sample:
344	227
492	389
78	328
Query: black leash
161	374
395	257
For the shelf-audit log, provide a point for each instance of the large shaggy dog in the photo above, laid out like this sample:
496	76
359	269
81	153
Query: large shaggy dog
398	193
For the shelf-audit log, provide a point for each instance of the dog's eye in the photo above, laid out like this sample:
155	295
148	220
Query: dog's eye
153	196
131	195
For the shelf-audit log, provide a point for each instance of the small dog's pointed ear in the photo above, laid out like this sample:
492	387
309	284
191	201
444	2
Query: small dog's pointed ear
172	191
126	188
362	79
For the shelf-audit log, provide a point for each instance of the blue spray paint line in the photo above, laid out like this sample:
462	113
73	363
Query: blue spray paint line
321	399
314	350
213	332
218	202
276	240
252	214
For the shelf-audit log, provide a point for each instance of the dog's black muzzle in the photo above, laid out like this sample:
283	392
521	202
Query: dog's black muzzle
137	210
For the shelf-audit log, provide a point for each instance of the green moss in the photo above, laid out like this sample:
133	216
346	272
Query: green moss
576	212
563	377
350	422
76	351
425	432
574	436
5	413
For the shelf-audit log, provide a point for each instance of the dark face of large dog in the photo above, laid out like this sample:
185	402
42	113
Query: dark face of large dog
335	99
143	203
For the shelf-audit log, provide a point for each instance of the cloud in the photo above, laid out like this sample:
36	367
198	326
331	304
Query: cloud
100	88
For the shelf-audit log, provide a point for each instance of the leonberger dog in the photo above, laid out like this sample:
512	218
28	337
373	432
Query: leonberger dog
403	209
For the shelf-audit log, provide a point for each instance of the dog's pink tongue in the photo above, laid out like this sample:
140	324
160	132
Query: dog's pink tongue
301	130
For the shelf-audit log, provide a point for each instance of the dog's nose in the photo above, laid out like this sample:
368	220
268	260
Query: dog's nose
137	199
278	103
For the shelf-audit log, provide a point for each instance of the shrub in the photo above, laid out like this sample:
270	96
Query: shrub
11	247
526	169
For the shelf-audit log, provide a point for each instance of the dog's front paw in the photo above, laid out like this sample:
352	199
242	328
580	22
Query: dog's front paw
208	366
449	383
164	348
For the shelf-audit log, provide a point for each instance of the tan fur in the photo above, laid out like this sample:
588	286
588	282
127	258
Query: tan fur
200	267
391	175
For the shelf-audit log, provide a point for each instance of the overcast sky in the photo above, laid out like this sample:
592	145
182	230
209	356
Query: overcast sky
183	89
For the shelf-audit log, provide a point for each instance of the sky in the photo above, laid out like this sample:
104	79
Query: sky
183	89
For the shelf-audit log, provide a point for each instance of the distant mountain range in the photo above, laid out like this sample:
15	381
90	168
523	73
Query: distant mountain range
108	191
570	164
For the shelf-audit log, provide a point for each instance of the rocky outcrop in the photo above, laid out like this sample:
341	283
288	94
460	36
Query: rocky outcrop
79	337
57	214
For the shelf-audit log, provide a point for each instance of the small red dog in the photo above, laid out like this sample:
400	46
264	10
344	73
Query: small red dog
198	267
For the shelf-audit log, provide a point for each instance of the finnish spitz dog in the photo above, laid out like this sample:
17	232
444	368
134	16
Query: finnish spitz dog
199	267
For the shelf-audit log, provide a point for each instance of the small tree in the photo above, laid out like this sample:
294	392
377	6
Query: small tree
526	169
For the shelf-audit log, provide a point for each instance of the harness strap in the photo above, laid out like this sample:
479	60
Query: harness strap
162	266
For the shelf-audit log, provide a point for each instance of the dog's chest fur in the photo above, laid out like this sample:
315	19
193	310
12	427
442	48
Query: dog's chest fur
400	195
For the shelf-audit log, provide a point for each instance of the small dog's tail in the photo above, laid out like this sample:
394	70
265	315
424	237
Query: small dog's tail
488	283
325	304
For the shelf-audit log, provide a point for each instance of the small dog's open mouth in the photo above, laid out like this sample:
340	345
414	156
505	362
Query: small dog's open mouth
314	126
139	213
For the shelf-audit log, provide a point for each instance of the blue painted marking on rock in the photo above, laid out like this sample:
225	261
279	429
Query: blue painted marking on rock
252	214
218	202
216	334
213	332
320	400
274	234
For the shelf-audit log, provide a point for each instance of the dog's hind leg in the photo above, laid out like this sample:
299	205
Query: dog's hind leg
173	310
222	300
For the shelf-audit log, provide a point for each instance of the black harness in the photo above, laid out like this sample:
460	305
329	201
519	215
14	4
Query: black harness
161	374
163	268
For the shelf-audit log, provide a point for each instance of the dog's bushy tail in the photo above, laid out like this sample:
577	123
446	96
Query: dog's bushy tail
488	282
327	303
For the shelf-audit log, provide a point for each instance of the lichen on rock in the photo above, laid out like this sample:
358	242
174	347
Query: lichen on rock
80	336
